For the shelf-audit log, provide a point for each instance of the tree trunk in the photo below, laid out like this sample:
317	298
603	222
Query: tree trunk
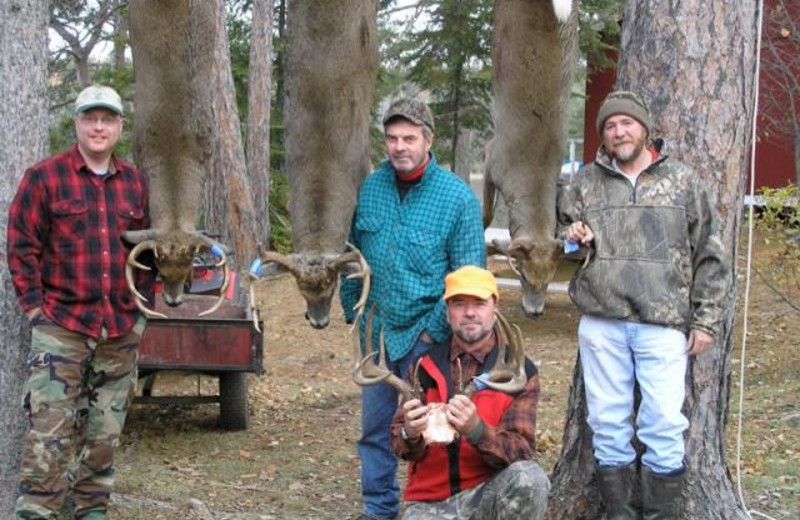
23	132
120	22
259	98
228	195
280	67
462	158
695	64
797	158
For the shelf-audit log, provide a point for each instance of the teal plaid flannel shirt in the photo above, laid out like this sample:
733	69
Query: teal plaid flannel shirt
410	247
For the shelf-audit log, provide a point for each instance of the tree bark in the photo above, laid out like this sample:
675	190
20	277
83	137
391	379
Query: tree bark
259	101
121	37
228	196
695	64
23	132
462	157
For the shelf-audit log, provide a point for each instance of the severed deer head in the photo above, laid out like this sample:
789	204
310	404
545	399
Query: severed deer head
316	277
507	375
174	253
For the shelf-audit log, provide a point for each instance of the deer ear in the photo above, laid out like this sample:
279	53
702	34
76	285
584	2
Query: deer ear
523	246
349	268
272	270
140	235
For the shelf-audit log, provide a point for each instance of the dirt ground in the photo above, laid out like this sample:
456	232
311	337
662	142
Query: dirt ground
298	460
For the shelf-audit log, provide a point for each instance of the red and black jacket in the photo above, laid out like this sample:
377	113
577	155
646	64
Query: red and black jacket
446	470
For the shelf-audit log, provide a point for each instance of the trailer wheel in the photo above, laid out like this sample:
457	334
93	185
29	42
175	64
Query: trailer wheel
233	408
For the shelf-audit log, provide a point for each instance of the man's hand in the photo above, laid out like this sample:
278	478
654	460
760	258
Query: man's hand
462	414
580	233
31	314
699	342
415	417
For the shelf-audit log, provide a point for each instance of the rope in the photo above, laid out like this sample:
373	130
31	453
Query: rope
748	274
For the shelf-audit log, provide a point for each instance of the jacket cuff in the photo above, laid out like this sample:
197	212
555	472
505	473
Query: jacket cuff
475	435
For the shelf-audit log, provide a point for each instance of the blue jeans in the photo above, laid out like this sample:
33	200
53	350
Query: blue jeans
614	356
379	488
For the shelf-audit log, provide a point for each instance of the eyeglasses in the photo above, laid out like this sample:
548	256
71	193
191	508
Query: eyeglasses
94	120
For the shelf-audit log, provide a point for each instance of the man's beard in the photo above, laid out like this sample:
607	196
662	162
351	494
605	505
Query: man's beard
638	146
472	337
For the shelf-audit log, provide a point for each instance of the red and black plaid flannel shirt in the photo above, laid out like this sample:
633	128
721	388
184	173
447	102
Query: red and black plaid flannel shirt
65	251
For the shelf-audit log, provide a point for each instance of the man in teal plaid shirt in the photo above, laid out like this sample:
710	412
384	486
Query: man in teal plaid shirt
414	223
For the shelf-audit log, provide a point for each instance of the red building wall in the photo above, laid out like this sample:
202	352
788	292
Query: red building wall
774	162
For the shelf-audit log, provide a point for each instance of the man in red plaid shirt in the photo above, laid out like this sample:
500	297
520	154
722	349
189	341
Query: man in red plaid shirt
67	261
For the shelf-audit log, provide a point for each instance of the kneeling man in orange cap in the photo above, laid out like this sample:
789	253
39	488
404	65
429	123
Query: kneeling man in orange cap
487	471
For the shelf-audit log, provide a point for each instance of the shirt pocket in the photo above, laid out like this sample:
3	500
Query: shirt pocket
129	217
426	252
70	221
368	228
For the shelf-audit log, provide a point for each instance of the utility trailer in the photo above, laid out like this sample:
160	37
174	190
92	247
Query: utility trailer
224	344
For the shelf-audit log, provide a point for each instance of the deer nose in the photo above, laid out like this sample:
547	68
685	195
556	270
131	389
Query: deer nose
318	323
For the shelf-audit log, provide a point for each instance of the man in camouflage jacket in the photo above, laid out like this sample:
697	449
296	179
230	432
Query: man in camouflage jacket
651	294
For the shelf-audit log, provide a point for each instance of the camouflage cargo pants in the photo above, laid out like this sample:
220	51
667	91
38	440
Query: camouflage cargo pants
76	398
519	491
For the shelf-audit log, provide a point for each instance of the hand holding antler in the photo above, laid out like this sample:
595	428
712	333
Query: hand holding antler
462	414
415	418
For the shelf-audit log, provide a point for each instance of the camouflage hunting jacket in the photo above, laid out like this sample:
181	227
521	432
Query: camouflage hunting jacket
657	254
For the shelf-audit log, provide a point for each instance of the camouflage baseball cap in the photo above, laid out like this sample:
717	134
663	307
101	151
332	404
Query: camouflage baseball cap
623	102
98	96
413	110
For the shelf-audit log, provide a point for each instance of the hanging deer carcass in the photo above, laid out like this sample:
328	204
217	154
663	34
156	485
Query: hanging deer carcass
534	53
331	68
173	48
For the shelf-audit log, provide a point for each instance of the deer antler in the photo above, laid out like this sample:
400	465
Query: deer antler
271	256
514	246
364	274
265	257
129	265
508	376
226	271
367	373
254	311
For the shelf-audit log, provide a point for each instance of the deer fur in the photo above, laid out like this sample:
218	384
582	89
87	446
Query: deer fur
330	72
534	53
173	45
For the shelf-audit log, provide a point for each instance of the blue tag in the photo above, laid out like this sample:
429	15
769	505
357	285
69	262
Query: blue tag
480	380
217	251
571	247
255	267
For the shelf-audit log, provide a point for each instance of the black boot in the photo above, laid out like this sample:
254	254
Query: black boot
616	488
662	497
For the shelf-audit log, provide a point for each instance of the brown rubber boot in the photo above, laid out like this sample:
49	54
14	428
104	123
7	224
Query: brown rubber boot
616	488
662	497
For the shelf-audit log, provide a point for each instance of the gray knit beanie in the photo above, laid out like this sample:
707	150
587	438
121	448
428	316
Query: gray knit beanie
623	102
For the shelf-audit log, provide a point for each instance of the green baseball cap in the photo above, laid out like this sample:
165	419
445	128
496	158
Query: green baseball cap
98	96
